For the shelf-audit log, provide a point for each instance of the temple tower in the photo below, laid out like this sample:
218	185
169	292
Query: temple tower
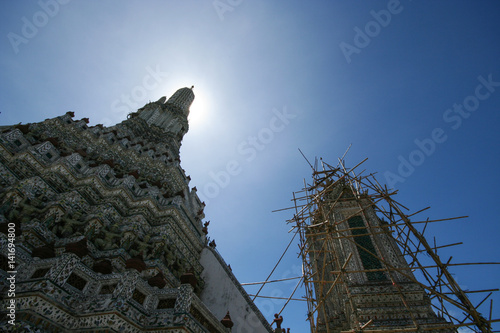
376	285
108	234
363	266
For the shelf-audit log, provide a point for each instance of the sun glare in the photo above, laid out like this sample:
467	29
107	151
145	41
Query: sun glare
199	109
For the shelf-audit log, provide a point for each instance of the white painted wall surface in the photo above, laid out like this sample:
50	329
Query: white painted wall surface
223	293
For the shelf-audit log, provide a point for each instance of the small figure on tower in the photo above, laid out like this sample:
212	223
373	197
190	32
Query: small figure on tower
205	227
278	320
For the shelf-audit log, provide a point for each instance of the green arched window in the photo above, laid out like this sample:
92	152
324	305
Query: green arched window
365	248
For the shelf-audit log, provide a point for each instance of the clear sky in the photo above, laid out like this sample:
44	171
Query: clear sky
412	85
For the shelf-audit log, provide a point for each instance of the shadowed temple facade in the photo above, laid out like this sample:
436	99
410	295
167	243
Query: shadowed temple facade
101	232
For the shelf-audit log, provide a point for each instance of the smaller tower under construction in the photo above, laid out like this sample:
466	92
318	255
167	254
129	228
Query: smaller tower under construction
360	259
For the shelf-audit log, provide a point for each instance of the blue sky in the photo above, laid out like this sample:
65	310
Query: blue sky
271	77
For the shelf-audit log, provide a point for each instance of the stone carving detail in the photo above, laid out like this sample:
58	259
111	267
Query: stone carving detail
13	135
44	148
153	117
183	302
60	272
73	159
127	285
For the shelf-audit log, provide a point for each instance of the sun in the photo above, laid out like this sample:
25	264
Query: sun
200	109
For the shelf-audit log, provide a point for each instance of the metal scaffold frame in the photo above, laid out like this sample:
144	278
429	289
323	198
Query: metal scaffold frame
448	300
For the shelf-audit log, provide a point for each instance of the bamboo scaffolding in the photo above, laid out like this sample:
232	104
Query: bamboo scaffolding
478	319
417	268
419	328
271	281
275	266
290	298
367	193
283	298
334	283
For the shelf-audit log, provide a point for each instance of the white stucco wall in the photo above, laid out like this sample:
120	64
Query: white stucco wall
223	293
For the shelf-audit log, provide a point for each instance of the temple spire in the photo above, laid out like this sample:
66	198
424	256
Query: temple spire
182	98
171	116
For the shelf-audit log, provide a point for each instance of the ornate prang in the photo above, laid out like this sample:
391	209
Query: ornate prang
105	224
